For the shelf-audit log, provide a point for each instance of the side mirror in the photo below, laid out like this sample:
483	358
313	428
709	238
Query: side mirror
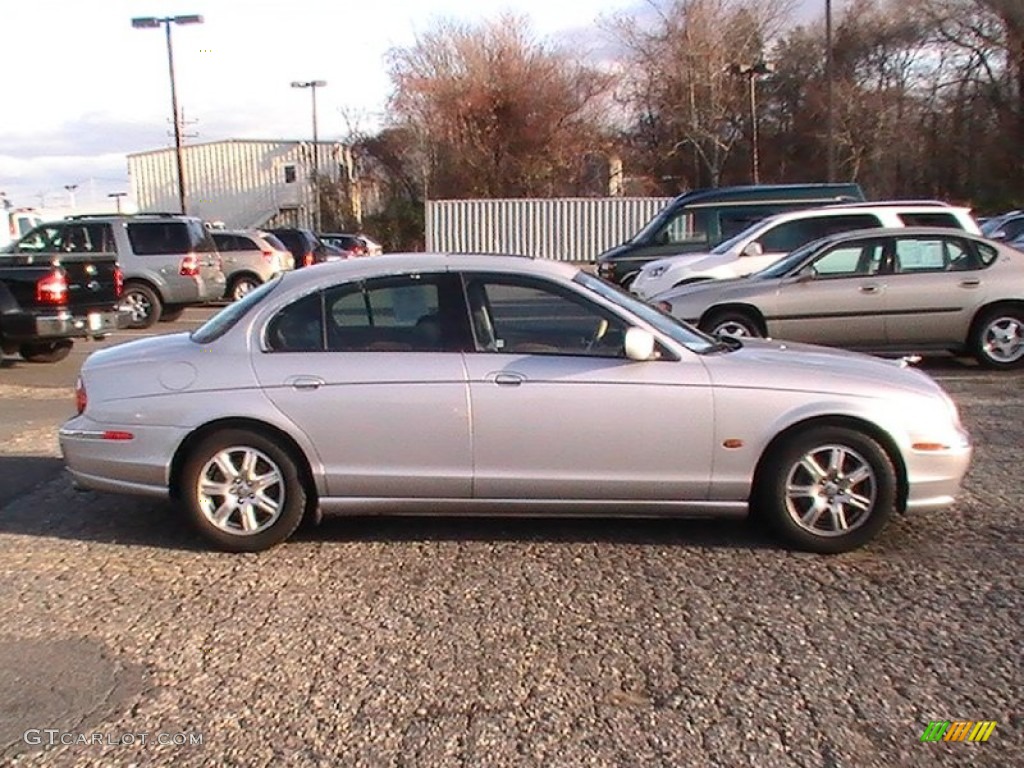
639	344
752	249
999	234
806	275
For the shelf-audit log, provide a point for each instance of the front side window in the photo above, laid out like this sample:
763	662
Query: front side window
857	260
41	239
680	229
525	316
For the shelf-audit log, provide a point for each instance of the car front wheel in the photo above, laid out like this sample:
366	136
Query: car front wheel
242	491
827	490
998	338
735	324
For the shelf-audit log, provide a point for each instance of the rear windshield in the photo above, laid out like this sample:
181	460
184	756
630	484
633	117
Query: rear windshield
228	317
158	238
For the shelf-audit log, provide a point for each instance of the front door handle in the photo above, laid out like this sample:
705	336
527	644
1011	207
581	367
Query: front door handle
971	282
869	289
509	379
307	382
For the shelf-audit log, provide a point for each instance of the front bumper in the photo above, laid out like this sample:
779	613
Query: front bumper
25	326
935	477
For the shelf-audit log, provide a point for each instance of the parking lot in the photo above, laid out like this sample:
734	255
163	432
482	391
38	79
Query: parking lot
500	642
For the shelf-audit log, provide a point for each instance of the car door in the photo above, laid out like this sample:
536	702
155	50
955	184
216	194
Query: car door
559	412
373	374
936	284
838	299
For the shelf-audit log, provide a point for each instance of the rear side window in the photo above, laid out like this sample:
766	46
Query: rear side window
299	327
930	219
224	242
158	238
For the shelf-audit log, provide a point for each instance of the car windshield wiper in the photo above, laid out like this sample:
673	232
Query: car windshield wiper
726	344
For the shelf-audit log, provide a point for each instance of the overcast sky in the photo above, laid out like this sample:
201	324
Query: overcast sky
83	88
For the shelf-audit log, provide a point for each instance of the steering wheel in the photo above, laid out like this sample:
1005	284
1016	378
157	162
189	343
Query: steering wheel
599	333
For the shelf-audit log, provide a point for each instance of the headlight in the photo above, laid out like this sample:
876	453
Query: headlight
654	272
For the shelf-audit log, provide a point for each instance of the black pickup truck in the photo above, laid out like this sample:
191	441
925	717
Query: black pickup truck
47	300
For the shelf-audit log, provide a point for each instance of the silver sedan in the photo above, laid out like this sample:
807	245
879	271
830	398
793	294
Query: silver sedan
422	384
895	291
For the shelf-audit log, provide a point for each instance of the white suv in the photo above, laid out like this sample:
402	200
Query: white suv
767	241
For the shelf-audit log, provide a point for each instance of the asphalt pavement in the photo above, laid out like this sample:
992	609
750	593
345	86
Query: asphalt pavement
501	642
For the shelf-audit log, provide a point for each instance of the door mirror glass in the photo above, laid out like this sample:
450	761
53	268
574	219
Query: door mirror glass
639	344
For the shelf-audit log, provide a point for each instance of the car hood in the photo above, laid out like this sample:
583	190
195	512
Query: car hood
677	258
622	249
708	291
770	364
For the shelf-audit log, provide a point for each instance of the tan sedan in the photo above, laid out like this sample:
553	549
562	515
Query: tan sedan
889	291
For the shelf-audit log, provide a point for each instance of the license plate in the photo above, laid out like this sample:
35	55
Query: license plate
95	321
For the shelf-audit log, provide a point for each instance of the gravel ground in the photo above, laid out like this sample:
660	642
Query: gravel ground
447	642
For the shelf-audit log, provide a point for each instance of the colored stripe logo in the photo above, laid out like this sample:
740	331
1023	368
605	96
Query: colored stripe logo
958	730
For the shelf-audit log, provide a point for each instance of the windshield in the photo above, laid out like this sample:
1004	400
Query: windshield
733	242
228	317
785	265
676	330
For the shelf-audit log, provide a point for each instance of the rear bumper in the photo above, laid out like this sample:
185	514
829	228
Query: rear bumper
25	326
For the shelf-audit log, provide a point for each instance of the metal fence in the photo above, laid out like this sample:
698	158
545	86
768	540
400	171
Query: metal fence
565	229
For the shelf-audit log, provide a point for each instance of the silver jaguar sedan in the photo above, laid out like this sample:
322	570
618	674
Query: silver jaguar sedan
426	384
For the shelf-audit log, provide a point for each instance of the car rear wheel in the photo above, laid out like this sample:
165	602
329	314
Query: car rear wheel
731	323
46	351
998	338
241	286
243	492
143	305
827	490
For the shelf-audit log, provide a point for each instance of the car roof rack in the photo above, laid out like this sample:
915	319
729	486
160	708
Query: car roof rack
142	215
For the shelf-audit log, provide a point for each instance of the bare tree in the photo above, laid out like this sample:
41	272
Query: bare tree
497	112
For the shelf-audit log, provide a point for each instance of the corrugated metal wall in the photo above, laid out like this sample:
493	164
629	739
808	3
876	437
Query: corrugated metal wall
566	229
240	182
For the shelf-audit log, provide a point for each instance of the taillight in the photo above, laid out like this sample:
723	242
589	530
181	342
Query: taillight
118	282
664	306
268	256
307	260
189	266
81	398
52	289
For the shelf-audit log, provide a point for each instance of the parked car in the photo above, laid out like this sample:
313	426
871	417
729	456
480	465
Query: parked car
250	258
699	220
306	248
429	384
169	261
1008	227
352	245
769	240
892	290
48	302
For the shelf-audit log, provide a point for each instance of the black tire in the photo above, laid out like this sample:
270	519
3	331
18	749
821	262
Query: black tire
997	338
873	490
287	493
731	323
172	312
240	286
143	303
46	351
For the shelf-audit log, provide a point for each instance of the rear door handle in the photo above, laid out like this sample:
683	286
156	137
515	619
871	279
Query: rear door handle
971	282
870	289
509	379
306	382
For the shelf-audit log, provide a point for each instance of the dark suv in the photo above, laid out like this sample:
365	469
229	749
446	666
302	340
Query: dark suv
305	246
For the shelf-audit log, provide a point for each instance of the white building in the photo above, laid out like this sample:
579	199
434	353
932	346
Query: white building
241	182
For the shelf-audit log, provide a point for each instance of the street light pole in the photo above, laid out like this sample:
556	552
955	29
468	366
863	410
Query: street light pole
830	130
313	85
151	22
752	72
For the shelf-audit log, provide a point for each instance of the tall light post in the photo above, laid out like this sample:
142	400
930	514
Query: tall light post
752	72
830	127
117	198
313	85
71	194
152	22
